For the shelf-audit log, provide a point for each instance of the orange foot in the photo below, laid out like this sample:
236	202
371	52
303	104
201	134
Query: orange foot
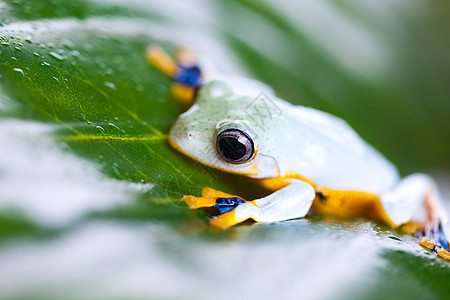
433	238
223	206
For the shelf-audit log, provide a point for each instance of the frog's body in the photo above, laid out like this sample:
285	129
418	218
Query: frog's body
313	161
305	141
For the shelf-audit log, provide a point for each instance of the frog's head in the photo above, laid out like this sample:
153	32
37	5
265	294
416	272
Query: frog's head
219	132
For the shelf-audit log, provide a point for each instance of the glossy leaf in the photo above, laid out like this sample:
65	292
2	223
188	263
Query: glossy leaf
90	190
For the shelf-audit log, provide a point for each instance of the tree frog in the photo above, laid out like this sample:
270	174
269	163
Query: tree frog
313	161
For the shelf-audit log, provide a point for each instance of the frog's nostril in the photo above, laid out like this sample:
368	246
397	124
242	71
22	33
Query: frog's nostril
190	136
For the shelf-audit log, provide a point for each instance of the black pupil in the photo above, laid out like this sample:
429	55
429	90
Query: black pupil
230	148
235	146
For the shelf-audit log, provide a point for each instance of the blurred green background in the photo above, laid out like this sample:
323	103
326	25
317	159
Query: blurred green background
90	190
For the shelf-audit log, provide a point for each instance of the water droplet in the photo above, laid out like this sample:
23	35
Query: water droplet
17	49
116	127
5	44
45	64
36	54
110	85
81	117
115	169
68	44
13	58
56	56
100	128
28	40
19	73
139	87
161	88
394	238
55	79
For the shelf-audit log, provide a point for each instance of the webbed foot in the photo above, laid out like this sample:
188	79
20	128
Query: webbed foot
183	69
433	238
224	209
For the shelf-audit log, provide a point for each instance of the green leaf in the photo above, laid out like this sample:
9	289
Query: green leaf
104	101
90	190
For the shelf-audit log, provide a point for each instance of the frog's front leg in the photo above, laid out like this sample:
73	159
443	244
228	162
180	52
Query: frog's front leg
290	202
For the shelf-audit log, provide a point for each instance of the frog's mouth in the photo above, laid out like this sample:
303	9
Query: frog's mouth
261	167
251	170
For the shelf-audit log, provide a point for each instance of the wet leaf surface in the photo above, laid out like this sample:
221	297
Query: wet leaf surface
90	203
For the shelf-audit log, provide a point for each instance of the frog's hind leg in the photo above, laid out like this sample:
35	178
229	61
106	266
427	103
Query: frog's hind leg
415	205
434	238
184	70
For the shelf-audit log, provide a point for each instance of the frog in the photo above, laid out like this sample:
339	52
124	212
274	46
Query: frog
312	162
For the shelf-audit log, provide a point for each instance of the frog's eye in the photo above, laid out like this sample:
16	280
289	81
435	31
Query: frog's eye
235	146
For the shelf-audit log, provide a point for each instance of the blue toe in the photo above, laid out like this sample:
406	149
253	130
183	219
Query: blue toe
224	205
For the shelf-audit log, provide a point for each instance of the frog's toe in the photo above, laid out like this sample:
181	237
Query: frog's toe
199	202
426	242
210	192
227	220
224	205
444	253
220	201
242	211
221	207
213	206
433	238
